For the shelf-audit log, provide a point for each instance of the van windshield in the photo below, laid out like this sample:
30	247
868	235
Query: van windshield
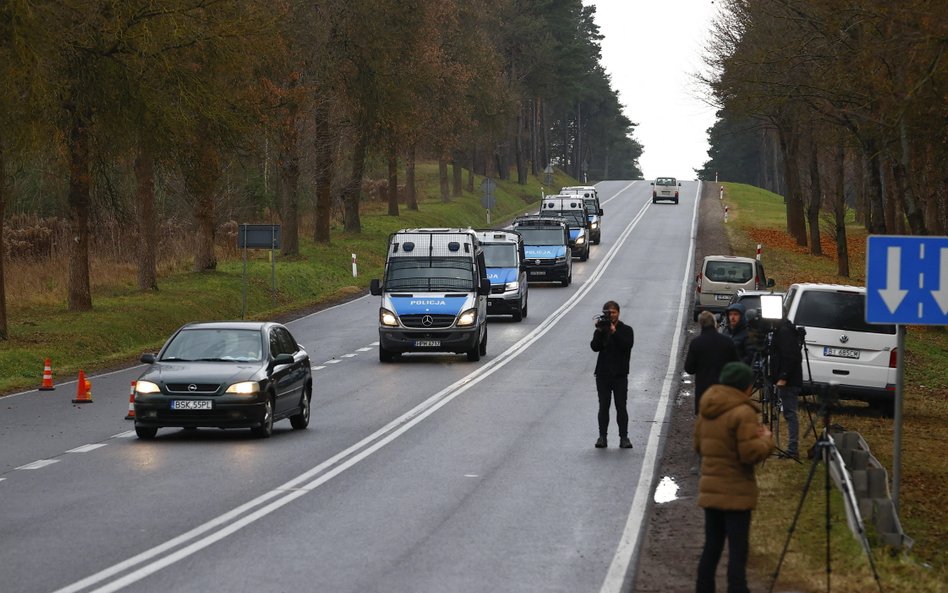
500	255
591	206
574	218
729	271
540	236
430	273
837	310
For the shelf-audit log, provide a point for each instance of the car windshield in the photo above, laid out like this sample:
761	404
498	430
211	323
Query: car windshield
729	271
541	236
215	344
430	273
500	255
574	218
842	310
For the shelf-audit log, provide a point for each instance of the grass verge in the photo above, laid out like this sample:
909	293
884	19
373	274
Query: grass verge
125	322
757	216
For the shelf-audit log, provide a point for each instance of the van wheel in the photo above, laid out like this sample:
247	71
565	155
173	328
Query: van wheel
525	305
386	355
518	315
585	255
483	346
474	354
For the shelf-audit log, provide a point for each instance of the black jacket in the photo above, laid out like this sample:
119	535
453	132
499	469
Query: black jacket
707	355
614	350
786	360
740	335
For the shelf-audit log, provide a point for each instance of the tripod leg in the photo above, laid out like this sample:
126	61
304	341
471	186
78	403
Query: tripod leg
793	524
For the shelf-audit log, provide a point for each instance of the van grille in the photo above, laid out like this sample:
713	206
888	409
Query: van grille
437	321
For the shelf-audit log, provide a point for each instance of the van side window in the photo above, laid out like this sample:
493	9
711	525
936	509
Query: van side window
845	311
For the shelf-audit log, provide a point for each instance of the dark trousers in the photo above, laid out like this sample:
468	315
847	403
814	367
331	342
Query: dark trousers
608	387
734	526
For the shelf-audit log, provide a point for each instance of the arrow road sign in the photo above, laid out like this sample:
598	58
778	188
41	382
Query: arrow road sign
907	280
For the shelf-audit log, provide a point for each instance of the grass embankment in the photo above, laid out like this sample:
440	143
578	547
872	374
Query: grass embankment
125	322
757	216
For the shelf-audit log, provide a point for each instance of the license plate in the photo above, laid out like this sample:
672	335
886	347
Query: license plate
722	297
427	343
538	272
840	352
192	404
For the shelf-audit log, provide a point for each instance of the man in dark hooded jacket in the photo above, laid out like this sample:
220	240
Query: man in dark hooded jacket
735	327
707	355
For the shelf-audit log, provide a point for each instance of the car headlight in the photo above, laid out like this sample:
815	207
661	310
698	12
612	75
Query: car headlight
512	287
561	259
467	318
244	388
594	225
580	239
146	387
388	318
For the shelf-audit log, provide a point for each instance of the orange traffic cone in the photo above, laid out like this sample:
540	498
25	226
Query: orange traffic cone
83	390
131	403
47	377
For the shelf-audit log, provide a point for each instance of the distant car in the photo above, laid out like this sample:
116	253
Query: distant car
225	374
721	276
665	188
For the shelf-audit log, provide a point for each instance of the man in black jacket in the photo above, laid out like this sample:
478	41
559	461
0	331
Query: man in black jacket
786	370
735	327
613	341
707	354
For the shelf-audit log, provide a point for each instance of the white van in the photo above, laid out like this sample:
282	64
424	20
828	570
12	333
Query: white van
841	347
572	209
721	276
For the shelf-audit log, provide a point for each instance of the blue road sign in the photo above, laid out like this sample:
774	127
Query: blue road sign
907	280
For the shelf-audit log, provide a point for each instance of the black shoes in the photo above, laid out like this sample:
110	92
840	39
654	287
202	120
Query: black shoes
601	443
625	443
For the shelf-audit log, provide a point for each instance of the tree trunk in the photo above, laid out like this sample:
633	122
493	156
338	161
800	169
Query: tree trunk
147	219
457	172
288	197
816	197
80	293
470	172
518	146
839	211
889	201
392	178
876	218
443	179
322	153
534	137
4	326
913	213
789	144
201	174
411	199
353	191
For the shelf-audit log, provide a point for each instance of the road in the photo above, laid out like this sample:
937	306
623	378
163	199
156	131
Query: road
431	474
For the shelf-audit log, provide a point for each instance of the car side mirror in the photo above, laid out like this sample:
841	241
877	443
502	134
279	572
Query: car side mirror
279	359
148	358
601	212
679	184
484	288
652	184
375	287
770	283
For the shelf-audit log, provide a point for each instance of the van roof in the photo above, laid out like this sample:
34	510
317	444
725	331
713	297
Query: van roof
497	236
822	286
708	258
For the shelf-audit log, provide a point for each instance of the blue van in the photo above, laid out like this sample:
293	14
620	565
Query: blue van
546	244
504	255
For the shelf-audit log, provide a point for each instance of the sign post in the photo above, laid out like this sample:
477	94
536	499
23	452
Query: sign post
487	199
259	236
906	283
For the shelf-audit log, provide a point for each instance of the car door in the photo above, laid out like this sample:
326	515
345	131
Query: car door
285	377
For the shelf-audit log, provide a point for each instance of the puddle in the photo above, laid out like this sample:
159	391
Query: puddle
666	491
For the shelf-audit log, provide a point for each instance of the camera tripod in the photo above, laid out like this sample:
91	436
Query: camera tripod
766	394
826	450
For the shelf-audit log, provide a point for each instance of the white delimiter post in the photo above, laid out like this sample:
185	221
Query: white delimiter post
355	271
725	214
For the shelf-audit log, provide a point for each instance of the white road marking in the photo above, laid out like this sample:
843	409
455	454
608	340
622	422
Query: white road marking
87	448
374	344
319	368
333	361
220	527
123	435
366	349
635	523
349	355
39	464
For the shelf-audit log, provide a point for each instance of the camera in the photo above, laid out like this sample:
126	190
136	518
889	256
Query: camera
603	321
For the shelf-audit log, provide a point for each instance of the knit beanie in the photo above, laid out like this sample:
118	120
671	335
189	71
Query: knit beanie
737	375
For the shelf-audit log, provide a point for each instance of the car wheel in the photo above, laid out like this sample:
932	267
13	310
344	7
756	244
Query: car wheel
266	428
585	255
146	433
525	299
301	420
386	355
483	347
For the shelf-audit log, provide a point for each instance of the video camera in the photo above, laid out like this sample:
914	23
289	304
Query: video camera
603	321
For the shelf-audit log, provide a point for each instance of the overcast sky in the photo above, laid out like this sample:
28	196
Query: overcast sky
651	49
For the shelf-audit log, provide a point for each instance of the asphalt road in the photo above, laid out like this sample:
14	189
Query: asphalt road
432	474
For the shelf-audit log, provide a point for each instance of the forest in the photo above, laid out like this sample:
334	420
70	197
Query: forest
127	123
838	105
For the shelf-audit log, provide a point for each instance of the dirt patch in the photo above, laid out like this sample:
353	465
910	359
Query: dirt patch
674	534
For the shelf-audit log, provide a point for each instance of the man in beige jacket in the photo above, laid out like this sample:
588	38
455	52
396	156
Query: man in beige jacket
731	441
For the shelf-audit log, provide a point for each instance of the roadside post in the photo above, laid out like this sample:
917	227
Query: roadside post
548	176
259	236
487	198
906	283
355	270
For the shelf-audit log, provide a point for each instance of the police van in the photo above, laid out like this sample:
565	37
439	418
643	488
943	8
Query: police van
594	211
573	210
504	255
434	294
546	248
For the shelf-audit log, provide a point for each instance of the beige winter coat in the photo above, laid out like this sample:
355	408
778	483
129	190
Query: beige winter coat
726	438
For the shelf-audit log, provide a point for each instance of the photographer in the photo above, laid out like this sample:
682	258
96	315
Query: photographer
613	341
786	372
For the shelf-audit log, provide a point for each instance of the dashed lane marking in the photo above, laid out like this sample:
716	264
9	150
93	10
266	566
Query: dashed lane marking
87	448
39	464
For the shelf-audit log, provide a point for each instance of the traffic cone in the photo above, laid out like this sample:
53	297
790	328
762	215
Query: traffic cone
131	403
83	390
47	376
